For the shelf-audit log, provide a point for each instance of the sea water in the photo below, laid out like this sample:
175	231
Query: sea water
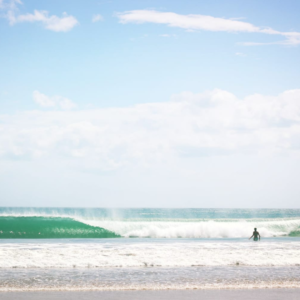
114	249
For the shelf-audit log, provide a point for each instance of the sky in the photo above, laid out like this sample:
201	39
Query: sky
150	103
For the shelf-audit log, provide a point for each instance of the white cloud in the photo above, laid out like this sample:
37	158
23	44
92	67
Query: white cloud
211	123
54	23
45	101
168	35
50	22
97	18
9	4
202	22
240	54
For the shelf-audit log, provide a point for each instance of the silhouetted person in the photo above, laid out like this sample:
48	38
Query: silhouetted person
255	235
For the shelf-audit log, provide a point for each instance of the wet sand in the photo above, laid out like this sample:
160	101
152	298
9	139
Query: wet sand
257	294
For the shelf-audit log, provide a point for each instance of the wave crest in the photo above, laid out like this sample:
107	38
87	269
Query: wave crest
200	228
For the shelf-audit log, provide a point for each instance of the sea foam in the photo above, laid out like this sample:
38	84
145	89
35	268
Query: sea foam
143	254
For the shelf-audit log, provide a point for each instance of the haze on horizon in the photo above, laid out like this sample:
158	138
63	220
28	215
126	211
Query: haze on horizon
150	103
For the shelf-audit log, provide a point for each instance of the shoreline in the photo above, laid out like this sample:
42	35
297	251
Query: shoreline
249	287
217	294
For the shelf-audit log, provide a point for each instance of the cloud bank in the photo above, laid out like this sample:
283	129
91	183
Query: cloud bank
202	22
211	123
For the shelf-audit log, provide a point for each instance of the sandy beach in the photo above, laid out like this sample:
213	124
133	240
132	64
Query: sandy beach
257	294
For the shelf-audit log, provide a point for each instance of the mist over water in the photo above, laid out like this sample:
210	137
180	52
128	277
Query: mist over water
149	213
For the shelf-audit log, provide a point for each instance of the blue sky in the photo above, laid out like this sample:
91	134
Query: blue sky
150	103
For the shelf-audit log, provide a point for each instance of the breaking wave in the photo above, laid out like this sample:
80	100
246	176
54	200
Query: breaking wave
36	227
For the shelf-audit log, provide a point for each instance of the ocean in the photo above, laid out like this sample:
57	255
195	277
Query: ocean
74	249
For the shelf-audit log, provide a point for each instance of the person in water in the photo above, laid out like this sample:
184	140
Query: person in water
255	235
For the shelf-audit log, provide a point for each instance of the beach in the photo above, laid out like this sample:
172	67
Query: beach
258	294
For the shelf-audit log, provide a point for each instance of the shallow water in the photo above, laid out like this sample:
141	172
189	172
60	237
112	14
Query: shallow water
149	278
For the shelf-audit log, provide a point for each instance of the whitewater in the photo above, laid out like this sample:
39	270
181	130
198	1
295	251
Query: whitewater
118	249
157	253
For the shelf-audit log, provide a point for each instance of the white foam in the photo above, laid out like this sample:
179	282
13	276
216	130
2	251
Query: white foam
197	229
139	254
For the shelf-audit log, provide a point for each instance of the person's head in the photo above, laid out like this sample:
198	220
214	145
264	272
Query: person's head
254	229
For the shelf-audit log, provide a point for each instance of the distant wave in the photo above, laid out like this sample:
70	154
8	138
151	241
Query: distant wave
36	227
